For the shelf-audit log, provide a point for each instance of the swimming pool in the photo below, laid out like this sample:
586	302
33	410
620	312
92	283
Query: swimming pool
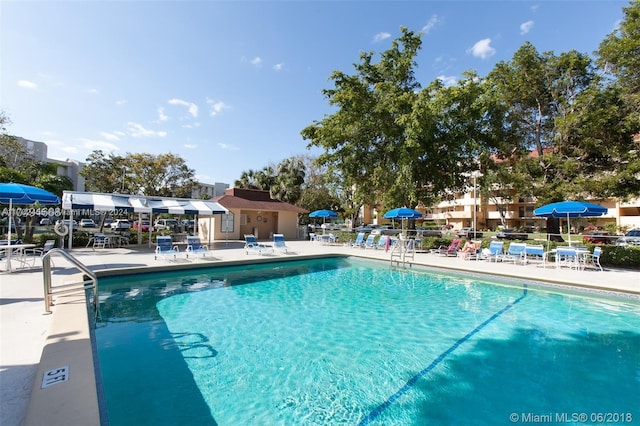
352	341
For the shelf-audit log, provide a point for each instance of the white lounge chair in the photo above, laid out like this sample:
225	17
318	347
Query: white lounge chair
358	241
534	252
368	243
515	252
279	243
384	242
251	245
165	248
494	251
195	247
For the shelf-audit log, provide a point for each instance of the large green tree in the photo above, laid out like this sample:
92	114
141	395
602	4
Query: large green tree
619	58
364	139
563	135
543	126
319	190
563	132
283	181
257	179
289	178
393	142
164	174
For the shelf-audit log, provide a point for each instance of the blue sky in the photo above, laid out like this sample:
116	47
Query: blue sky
229	85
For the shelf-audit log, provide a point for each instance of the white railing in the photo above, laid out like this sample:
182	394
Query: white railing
50	290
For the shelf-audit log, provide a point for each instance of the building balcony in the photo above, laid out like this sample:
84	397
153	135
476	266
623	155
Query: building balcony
498	215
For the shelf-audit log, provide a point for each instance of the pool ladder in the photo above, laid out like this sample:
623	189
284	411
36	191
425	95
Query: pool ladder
90	280
404	251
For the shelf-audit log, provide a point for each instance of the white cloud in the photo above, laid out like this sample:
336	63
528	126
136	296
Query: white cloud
443	63
278	67
190	126
190	146
68	149
525	27
93	91
161	115
204	178
482	49
256	61
27	84
433	21
110	136
447	80
228	147
94	144
121	102
381	36
193	108
53	142
216	107
138	131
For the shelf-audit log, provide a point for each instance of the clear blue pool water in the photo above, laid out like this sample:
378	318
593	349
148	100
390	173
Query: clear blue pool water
349	342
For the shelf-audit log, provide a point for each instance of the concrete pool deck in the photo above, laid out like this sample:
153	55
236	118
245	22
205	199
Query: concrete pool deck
28	336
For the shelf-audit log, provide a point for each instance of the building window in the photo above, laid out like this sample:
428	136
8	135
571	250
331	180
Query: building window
226	222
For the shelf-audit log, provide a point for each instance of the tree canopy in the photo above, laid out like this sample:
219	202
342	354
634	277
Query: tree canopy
19	165
284	181
539	125
164	174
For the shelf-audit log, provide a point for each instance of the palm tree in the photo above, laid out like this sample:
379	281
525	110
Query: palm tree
289	180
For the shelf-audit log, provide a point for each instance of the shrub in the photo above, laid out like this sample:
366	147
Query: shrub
427	243
40	239
621	256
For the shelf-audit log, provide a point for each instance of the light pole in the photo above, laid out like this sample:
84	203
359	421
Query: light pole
474	175
124	171
474	206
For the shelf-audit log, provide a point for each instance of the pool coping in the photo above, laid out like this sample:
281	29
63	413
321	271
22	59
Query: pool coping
69	341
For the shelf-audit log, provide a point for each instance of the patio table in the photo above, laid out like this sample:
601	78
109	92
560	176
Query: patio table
327	239
15	251
572	257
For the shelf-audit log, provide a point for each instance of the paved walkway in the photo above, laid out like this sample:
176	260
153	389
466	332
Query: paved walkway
24	327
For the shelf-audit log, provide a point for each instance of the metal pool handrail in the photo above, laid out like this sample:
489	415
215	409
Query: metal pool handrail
92	282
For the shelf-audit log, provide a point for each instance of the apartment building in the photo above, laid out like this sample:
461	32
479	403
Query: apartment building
492	213
68	168
208	191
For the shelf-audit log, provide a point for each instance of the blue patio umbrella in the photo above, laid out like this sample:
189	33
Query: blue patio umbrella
402	213
569	209
324	214
16	193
